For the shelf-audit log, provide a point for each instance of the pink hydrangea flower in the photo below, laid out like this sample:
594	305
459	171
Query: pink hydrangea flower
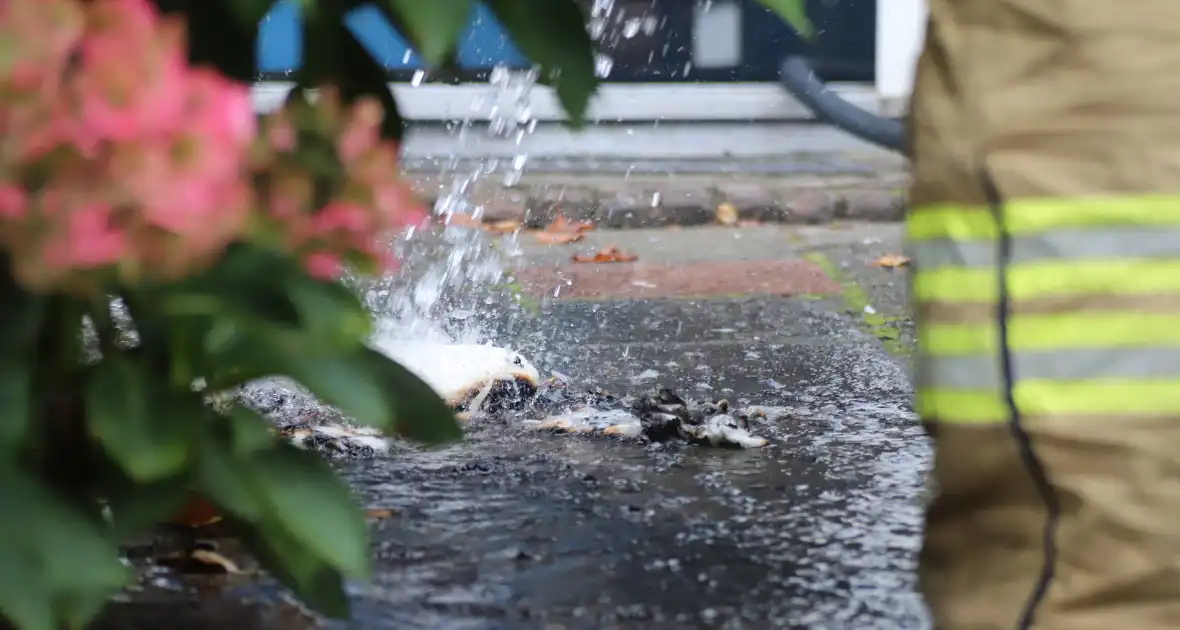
120	160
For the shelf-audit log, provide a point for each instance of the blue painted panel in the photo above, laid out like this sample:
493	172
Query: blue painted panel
483	44
279	47
381	39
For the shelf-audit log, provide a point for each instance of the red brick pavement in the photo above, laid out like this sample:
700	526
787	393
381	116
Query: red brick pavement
641	280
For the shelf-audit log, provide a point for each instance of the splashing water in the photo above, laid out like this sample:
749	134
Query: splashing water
596	26
446	289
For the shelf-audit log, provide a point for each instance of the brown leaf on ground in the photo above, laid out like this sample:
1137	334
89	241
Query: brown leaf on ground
196	512
502	227
199	561
459	219
379	513
562	225
609	254
891	261
557	238
726	213
214	559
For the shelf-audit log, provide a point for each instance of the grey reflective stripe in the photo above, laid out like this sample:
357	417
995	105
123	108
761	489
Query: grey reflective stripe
983	372
1065	244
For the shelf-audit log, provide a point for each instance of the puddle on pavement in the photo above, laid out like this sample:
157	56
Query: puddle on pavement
518	531
512	530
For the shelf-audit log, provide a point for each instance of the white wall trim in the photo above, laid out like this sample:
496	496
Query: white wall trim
807	146
901	28
614	103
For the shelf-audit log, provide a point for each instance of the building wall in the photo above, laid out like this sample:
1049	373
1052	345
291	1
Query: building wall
708	60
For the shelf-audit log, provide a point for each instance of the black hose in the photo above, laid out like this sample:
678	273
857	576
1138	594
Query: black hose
799	78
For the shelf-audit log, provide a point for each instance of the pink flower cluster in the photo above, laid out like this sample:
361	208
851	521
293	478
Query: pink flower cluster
120	161
340	215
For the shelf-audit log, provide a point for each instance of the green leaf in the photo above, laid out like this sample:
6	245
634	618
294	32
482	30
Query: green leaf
247	279
249	12
432	25
225	474
16	396
344	382
418	412
77	567
239	350
24	599
314	506
77	609
312	579
22	316
148	434
552	34
136	507
794	12
330	312
249	432
229	483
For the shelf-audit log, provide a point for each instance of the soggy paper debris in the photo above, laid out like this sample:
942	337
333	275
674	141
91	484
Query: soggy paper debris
657	417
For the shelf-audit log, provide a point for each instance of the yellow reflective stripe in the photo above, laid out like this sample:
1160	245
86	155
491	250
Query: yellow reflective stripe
960	406
955	284
1057	331
1049	279
1081	398
1093	396
957	223
957	339
1031	216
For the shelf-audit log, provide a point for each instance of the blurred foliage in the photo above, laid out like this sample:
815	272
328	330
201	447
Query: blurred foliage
794	12
93	452
131	434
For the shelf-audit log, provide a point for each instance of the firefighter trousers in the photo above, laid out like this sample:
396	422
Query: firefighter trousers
1044	227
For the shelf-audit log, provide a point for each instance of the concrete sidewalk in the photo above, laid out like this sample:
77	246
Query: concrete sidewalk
832	264
649	200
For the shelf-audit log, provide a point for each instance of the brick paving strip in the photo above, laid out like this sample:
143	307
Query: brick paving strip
619	201
640	280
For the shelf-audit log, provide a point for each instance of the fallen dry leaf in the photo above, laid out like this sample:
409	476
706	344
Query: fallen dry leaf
891	261
379	513
609	254
502	227
199	561
196	512
560	224
458	219
726	214
557	238
212	558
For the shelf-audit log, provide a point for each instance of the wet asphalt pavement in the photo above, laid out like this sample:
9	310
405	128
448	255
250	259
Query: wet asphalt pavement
516	531
511	530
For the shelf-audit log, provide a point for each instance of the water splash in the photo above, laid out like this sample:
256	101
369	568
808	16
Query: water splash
447	288
597	26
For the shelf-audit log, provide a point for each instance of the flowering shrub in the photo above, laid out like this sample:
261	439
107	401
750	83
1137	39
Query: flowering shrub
361	170
127	173
122	162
